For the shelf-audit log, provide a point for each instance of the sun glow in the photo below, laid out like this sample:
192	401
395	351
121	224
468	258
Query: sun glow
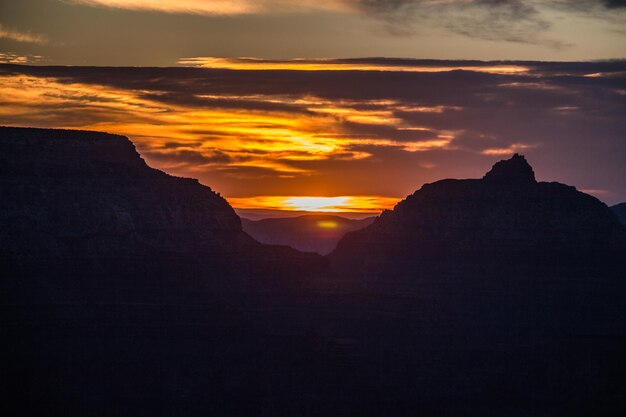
327	224
188	139
231	141
338	204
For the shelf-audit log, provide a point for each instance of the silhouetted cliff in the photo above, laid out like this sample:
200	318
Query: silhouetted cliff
519	293
126	291
76	202
506	219
88	194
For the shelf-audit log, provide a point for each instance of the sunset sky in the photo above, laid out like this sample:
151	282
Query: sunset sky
305	122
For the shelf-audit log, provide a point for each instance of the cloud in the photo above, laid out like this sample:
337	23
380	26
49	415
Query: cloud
374	64
614	4
351	131
392	10
514	21
518	21
14	58
217	7
500	20
19	36
190	157
511	149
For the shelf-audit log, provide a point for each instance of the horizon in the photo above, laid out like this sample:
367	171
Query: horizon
332	105
348	207
321	140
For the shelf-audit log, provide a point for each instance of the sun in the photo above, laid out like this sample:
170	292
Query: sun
321	204
355	204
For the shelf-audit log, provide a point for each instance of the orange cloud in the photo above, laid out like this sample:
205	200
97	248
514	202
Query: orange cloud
513	148
13	58
334	65
268	139
218	7
18	36
325	133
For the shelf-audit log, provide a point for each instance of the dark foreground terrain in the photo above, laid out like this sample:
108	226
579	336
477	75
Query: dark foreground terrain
126	291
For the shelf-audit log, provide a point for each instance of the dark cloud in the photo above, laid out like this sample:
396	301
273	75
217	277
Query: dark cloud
364	130
508	20
185	156
613	4
188	99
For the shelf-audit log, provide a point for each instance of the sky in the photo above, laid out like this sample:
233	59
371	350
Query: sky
161	32
279	104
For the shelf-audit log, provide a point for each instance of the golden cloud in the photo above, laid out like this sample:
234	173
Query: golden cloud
334	65
513	148
218	7
188	140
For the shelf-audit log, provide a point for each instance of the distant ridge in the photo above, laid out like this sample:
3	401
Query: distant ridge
308	233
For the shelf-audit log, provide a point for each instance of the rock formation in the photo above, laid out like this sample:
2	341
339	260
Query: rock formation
88	194
88	200
127	291
506	219
528	281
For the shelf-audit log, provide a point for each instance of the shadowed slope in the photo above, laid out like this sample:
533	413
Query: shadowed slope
620	211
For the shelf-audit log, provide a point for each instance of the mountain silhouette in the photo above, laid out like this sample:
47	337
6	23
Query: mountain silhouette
127	291
527	276
89	194
79	202
309	233
505	220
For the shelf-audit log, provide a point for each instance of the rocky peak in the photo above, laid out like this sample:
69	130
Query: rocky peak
505	216
515	170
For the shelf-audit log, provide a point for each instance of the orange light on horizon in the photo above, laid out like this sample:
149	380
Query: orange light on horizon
338	204
297	64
